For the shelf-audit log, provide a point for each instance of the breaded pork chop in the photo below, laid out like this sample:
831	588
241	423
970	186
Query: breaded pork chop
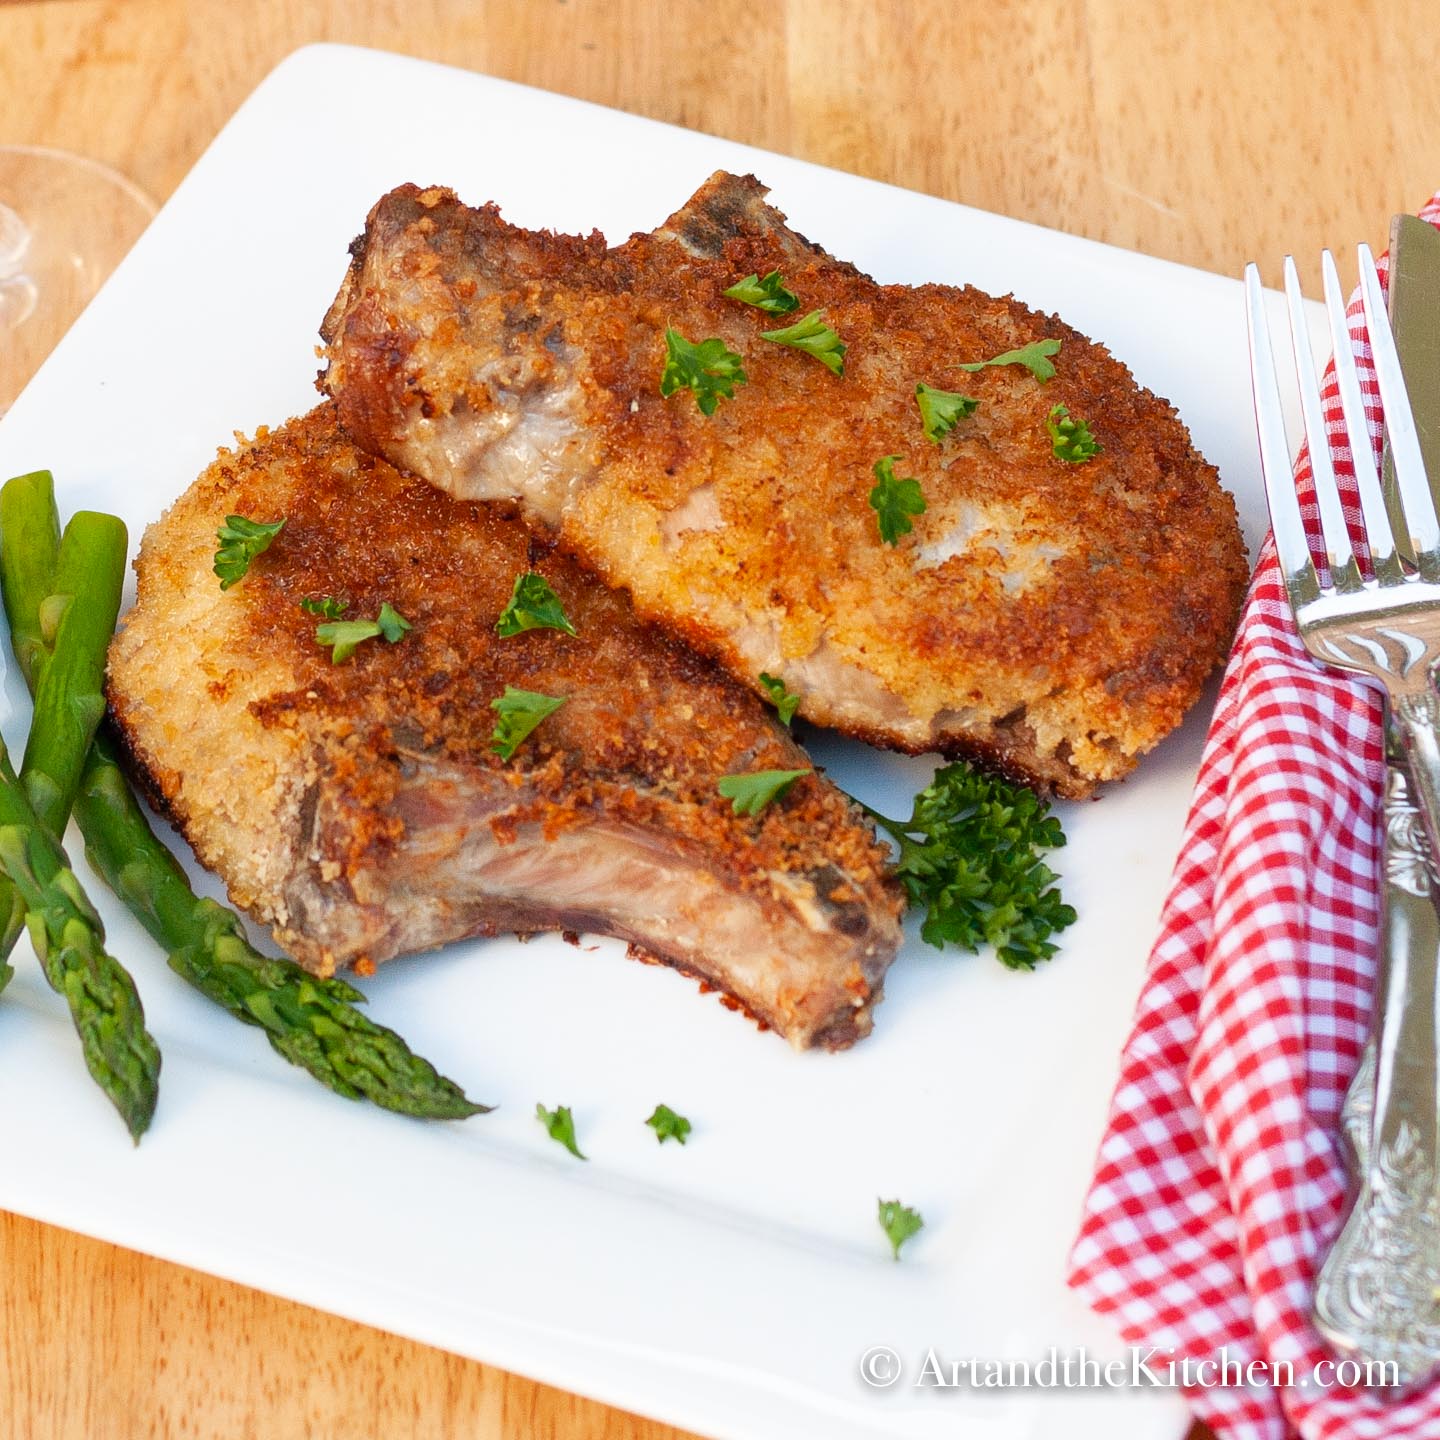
1056	619
359	809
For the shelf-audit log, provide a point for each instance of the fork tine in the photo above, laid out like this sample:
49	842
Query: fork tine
1344	572
1352	403
1290	543
1416	498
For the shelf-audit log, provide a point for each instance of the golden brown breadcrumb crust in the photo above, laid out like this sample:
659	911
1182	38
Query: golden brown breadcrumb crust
236	716
1057	618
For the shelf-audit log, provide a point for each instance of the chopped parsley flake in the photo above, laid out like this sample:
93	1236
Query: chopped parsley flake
560	1126
814	337
533	606
519	711
767	294
1035	357
750	794
1071	439
392	623
899	1223
894	500
667	1125
941	410
241	540
327	607
784	701
708	369
345	636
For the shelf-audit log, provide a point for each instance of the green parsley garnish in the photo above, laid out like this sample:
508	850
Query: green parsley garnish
667	1125
560	1126
768	294
1035	357
814	337
241	540
899	1222
750	794
894	500
520	711
347	635
969	853
1071	439
784	701
533	606
940	410
327	607
392	623
708	369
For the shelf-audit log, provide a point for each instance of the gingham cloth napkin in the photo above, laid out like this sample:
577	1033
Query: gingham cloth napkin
1220	1180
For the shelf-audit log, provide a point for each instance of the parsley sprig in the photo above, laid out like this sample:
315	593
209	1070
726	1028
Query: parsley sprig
768	294
750	794
1070	438
894	500
345	636
668	1125
899	1222
519	712
241	540
941	410
1035	357
708	369
533	606
786	702
970	855
814	337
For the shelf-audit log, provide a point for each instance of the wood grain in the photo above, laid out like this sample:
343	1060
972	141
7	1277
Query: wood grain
1209	134
102	1344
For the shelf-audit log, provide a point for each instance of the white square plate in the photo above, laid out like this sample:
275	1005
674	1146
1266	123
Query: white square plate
733	1285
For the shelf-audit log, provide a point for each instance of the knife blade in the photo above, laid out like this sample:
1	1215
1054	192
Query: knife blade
1408	915
1415	319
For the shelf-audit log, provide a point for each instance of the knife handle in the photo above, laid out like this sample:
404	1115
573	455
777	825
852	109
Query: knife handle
1377	1297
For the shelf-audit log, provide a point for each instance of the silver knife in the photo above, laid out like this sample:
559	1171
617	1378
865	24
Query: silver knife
1415	320
1377	1297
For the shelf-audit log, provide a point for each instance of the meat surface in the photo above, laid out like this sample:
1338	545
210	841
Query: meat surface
358	808
1055	619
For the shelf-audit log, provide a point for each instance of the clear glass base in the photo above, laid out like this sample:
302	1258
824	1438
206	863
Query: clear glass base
65	223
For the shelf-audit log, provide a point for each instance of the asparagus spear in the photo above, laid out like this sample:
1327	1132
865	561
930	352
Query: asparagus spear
30	543
69	940
30	525
67	935
12	921
69	699
311	1022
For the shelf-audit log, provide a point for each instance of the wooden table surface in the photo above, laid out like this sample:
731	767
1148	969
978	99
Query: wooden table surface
1209	133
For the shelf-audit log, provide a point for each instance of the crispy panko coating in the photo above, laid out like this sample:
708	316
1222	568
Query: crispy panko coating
360	810
1055	619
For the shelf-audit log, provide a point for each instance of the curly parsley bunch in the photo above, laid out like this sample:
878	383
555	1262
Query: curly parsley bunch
970	855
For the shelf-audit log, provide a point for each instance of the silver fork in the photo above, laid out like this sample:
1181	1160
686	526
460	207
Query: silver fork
1388	627
1377	1297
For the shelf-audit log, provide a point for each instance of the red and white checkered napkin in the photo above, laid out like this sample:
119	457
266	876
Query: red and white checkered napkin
1220	1180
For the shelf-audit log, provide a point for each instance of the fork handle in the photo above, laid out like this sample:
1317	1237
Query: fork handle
1419	715
1375	1294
